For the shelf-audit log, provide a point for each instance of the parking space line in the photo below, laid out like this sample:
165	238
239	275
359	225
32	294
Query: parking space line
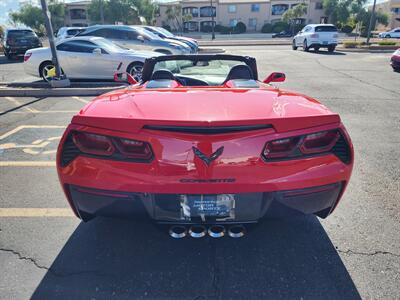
29	163
7	134
81	99
17	103
35	212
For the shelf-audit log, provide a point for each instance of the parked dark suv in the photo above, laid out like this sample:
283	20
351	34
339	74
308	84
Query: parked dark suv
18	41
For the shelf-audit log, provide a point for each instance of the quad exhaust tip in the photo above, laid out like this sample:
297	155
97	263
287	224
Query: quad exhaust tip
236	231
216	231
197	231
177	231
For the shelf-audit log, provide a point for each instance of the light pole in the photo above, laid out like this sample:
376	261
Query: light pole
371	21
60	80
212	21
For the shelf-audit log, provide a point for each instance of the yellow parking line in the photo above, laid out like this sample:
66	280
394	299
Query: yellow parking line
80	99
16	102
31	163
35	212
7	134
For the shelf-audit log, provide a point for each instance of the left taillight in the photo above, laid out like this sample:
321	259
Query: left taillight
110	147
27	56
306	145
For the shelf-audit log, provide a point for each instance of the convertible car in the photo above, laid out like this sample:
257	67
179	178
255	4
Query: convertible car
201	144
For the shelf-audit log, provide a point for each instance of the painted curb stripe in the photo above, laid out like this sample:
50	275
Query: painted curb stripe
35	212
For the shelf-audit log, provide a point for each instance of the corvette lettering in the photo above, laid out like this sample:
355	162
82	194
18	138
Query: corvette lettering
216	180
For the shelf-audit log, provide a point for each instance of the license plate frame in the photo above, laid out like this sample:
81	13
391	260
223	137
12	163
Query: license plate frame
219	206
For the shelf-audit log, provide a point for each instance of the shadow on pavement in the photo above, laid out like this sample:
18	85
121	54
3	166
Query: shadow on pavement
124	259
5	60
321	52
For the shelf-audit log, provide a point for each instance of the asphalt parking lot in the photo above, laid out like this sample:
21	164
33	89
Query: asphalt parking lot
46	253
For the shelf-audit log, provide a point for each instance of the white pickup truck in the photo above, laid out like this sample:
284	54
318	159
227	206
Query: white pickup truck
316	36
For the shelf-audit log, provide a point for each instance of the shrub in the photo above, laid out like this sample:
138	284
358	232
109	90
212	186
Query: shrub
347	28
386	43
267	28
240	28
351	44
226	30
280	26
218	28
206	28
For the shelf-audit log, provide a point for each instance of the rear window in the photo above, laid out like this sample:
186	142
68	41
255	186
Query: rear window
21	33
326	29
74	31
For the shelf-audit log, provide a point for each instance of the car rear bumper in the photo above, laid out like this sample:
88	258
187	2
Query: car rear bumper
168	208
395	63
19	50
323	45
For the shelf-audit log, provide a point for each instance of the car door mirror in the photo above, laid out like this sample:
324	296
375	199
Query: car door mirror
140	38
97	51
124	77
275	77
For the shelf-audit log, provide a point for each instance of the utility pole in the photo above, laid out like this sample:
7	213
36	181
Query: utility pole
371	21
212	21
101	12
60	80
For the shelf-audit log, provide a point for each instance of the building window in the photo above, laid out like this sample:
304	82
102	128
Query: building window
77	14
207	11
253	23
279	9
396	10
206	26
231	8
318	5
191	26
232	22
193	11
255	7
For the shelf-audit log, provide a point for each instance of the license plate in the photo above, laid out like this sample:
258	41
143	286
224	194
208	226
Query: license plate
325	42
208	205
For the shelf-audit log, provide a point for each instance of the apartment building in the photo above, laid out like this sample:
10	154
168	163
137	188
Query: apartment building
253	13
76	14
392	9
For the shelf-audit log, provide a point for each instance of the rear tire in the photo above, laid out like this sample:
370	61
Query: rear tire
44	68
388	36
316	49
331	49
135	69
305	47
294	47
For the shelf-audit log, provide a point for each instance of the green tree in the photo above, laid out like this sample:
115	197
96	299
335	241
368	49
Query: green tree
296	12
1	31
340	11
174	15
363	17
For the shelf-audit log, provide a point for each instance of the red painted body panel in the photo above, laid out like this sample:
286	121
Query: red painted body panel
123	114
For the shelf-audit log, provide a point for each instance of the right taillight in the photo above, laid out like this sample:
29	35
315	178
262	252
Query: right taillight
93	143
330	141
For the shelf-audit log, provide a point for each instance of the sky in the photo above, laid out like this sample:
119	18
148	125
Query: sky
7	5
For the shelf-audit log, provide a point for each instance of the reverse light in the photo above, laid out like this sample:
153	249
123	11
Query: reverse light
133	149
27	56
330	141
93	143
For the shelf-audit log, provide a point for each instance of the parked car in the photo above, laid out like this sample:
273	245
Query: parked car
87	58
316	36
394	33
282	34
165	34
16	41
136	38
395	60
204	145
67	32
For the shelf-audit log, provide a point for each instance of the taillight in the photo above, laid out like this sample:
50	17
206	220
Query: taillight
315	36
93	143
134	149
27	56
306	145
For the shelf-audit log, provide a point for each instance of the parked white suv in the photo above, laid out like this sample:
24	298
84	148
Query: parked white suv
316	36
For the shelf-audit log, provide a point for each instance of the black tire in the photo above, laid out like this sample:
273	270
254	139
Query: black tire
163	51
135	69
396	70
8	55
46	65
388	36
316	49
331	48
305	47
294	47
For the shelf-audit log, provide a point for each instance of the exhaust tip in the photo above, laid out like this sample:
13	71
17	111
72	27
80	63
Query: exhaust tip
177	231
197	231
216	231
237	231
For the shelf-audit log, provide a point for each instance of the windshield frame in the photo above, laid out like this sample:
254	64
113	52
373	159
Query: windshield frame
150	63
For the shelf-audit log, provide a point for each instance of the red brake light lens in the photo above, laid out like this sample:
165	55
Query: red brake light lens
134	149
93	143
281	148
319	142
27	56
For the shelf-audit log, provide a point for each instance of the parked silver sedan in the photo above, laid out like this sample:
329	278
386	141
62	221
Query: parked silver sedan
87	58
137	38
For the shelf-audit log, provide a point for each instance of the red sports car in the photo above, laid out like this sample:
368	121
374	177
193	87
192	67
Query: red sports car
201	143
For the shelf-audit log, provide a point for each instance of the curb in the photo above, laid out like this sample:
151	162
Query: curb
58	92
350	50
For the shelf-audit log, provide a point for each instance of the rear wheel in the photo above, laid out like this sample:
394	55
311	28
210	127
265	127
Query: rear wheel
135	69
388	36
294	47
305	47
331	48
44	70
316	49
